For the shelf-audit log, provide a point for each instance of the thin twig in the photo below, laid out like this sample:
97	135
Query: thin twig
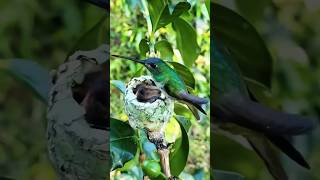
164	159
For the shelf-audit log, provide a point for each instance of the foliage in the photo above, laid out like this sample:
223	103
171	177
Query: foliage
47	32
288	77
41	35
166	30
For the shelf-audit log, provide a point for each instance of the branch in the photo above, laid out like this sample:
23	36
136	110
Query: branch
164	159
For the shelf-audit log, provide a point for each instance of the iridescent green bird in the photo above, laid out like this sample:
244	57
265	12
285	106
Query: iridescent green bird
172	83
236	111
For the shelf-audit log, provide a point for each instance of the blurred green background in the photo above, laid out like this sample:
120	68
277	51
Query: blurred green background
128	26
45	32
291	30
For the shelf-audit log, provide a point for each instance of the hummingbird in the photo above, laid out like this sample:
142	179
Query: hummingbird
171	82
147	93
236	111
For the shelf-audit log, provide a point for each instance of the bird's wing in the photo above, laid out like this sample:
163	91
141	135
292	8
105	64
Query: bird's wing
183	95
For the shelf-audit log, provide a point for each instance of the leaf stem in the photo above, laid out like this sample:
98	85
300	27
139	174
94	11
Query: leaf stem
150	29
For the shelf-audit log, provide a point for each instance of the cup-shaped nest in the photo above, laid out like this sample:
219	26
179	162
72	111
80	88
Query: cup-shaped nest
147	105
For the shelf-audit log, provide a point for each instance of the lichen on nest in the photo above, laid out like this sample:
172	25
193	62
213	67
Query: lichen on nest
147	105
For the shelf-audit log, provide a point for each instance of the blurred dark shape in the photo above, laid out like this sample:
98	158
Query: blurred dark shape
78	140
236	110
93	93
100	3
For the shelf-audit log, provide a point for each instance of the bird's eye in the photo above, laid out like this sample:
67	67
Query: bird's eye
153	66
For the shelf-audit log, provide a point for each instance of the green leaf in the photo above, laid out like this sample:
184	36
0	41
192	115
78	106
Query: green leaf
172	132
97	35
178	158
208	6
160	13
182	110
260	92
179	9
36	77
186	38
123	143
136	172
184	122
165	49
184	73
119	85
143	47
244	43
139	72
226	175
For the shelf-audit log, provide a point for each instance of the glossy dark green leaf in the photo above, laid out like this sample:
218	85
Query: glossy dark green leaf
97	35
244	43
180	8
30	73
184	73
226	175
178	158
123	143
160	13
165	49
143	47
182	110
186	38
119	85
185	122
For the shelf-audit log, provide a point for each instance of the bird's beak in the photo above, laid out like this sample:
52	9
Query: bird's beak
129	58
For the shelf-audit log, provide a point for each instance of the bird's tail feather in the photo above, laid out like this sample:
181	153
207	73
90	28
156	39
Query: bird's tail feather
193	103
192	99
194	109
285	146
